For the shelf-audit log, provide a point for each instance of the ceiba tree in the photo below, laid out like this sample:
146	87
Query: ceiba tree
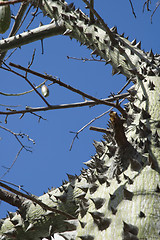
117	197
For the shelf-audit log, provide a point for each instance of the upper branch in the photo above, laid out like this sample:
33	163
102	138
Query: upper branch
126	57
53	29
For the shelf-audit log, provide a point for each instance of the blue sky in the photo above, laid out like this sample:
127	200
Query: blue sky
51	159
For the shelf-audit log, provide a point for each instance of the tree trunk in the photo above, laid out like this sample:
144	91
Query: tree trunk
118	196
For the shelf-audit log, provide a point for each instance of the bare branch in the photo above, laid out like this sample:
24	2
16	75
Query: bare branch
89	123
34	14
16	135
132	8
61	106
52	29
18	19
8	169
33	56
20	94
16	25
158	4
11	198
99	101
147	2
80	130
5	105
2	3
98	129
36	200
25	77
37	91
17	186
39	117
3	55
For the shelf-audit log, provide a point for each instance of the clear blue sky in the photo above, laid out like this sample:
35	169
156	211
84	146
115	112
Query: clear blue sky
51	159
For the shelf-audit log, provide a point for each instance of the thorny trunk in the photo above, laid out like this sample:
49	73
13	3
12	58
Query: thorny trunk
118	196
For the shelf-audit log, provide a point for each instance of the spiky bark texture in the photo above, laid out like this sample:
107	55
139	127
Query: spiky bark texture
118	196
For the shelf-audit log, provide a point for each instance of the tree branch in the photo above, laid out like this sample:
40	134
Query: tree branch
62	106
37	91
11	198
54	80
35	200
52	29
22	93
16	135
8	169
98	129
91	121
132	8
2	3
16	25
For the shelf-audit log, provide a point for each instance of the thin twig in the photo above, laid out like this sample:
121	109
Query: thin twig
132	8
27	70
8	169
33	56
155	10
147	2
22	93
5	105
37	91
89	123
23	10
20	187
16	135
116	105
34	15
40	117
80	130
12	52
